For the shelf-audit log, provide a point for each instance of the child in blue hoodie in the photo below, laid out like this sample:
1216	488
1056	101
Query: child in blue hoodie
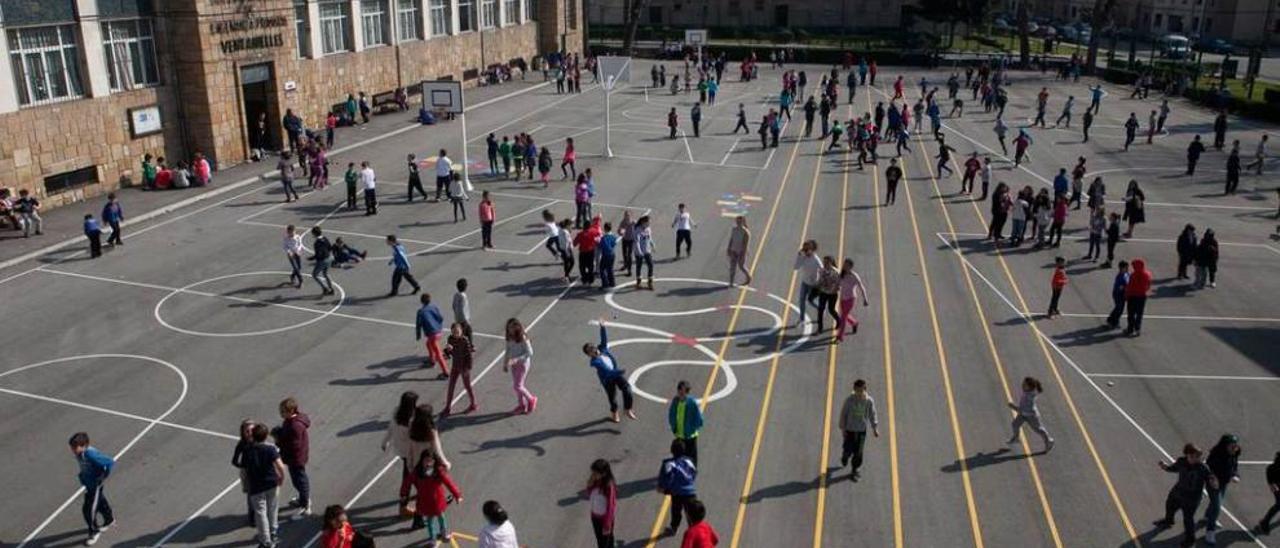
94	232
95	466
676	479
612	377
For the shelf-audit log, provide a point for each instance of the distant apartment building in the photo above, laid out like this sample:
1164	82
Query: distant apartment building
809	14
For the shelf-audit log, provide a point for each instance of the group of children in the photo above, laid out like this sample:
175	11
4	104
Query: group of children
157	174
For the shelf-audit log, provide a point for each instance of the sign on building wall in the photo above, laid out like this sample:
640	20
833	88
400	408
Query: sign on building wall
244	30
144	121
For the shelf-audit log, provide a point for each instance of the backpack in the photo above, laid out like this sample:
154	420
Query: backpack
362	540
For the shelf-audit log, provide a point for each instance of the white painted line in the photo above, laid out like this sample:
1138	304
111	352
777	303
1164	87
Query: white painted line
113	412
671	161
1183	377
730	152
1185	318
476	380
1058	350
485	134
196	514
685	138
383	237
1199	206
124	450
1122	239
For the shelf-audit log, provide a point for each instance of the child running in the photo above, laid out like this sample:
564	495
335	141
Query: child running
1028	413
612	378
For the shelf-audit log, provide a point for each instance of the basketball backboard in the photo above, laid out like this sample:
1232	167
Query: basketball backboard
614	70
442	95
695	37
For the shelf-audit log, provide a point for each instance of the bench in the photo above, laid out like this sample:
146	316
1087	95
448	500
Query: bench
385	102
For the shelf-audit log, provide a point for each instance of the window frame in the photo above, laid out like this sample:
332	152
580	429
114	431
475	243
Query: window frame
377	34
68	54
302	28
468	17
441	17
145	43
411	14
342	41
530	10
512	16
489	16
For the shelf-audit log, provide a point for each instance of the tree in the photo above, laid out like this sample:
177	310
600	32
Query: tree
1024	39
632	19
1101	18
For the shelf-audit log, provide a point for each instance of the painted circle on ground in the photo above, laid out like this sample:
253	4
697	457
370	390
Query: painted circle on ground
182	377
658	336
317	314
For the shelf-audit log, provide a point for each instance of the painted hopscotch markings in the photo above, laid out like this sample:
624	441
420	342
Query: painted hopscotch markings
733	204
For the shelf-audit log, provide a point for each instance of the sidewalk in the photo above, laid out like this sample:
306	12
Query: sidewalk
63	226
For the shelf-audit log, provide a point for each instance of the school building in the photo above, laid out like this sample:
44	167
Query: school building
87	87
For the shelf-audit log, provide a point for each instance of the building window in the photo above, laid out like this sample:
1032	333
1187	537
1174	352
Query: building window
572	8
302	27
488	14
530	10
335	26
46	64
513	12
441	21
408	23
131	53
466	15
373	17
71	180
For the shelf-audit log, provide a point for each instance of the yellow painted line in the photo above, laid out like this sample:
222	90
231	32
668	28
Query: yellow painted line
751	198
763	419
730	214
1066	394
656	530
726	203
832	352
997	363
957	438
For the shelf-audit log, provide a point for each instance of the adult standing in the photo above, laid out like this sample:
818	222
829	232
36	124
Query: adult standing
612	377
1206	260
322	255
1193	477
295	448
444	172
430	324
368	181
1224	463
1186	247
94	468
684	416
736	250
1194	150
1134	206
264	471
1135	296
1220	130
518	359
858	411
400	267
292	127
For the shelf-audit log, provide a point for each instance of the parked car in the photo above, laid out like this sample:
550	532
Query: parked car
1046	31
1067	33
1032	28
1175	46
1002	25
1214	45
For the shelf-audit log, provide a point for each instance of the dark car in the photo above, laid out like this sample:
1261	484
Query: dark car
1214	45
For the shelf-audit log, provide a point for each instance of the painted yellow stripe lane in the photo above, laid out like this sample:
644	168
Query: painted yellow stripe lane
833	352
996	361
944	368
763	418
656	530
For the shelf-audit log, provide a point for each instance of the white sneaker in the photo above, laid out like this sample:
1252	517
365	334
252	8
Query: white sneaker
93	539
106	526
302	513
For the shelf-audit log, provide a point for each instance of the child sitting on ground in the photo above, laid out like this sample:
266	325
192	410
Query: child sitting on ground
345	254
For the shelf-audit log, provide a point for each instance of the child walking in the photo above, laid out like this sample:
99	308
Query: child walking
488	213
1028	413
602	493
432	480
1057	283
459	348
518	359
93	232
850	287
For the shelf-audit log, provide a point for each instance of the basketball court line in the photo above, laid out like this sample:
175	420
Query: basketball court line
114	413
383	237
1087	378
1177	317
1136	240
1184	377
244	300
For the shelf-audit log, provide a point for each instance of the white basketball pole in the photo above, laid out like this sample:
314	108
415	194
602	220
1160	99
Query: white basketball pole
462	99
608	89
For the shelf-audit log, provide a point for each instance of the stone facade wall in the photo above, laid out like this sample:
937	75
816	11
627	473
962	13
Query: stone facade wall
201	101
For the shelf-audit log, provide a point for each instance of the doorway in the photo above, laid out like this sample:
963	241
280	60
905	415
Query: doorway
257	95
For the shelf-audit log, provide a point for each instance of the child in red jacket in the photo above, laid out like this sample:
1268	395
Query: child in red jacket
1058	282
431	479
699	534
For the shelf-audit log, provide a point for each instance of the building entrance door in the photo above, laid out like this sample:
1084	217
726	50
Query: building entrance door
261	113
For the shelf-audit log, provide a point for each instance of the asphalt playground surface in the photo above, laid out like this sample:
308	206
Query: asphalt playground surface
161	347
